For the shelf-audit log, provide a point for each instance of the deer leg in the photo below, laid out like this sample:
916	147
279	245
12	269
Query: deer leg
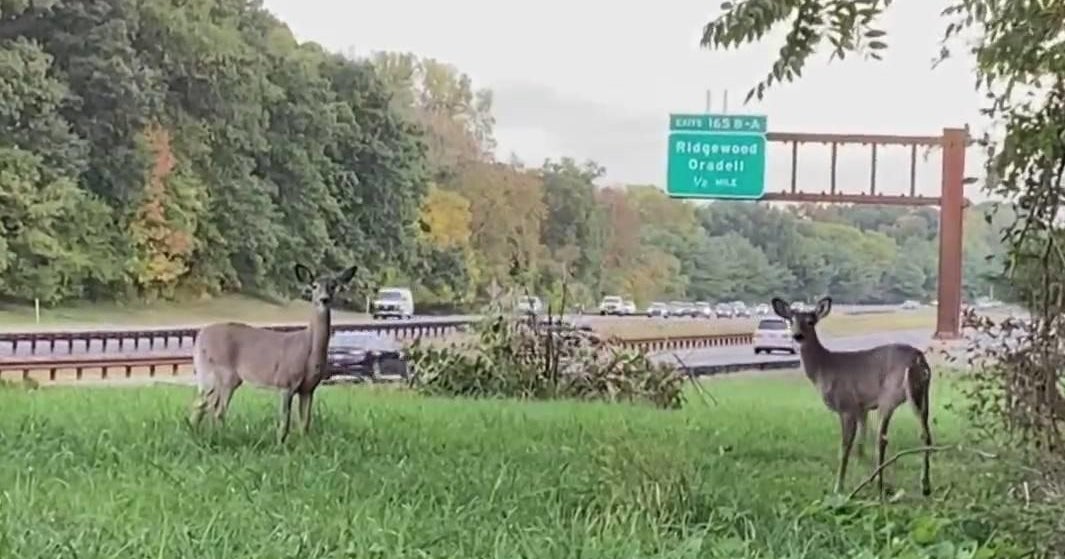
926	433
848	424
199	408
306	399
882	440
286	415
222	400
863	433
213	398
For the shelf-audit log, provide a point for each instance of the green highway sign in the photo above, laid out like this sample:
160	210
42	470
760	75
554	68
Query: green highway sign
716	156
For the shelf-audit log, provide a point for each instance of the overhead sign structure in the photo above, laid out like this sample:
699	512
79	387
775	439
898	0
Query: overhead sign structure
716	156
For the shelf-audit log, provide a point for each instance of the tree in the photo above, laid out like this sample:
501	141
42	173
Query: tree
572	232
457	119
508	249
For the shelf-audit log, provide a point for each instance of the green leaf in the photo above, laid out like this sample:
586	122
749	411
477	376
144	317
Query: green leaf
877	45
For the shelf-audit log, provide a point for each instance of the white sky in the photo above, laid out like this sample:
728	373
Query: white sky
596	80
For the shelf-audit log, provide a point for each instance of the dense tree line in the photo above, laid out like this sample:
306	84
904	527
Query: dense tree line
156	148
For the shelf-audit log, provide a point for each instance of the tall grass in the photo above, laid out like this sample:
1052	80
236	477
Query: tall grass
114	473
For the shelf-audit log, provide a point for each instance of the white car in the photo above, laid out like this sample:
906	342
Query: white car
628	308
395	302
658	309
529	304
611	304
774	334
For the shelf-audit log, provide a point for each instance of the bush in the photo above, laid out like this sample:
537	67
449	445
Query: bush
526	357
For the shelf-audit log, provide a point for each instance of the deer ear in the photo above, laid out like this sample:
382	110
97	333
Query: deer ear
303	273
781	307
347	275
824	306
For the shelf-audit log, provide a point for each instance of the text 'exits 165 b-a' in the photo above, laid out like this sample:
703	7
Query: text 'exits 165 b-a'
716	156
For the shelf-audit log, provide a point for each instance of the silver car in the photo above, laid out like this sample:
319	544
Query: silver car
658	309
703	310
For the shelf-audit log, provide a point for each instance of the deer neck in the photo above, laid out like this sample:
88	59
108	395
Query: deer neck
319	332
813	353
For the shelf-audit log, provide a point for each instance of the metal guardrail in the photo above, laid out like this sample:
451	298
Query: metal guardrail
103	363
649	345
172	361
117	341
171	364
108	357
153	337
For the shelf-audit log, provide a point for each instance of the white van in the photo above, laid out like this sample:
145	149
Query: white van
395	302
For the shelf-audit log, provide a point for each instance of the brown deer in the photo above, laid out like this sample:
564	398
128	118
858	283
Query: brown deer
854	382
228	354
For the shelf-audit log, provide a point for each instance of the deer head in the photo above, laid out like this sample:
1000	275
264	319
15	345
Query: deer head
324	288
802	322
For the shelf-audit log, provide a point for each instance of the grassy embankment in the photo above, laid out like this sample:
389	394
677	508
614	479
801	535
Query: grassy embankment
113	472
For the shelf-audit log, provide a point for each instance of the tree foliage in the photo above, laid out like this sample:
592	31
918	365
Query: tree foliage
163	149
155	147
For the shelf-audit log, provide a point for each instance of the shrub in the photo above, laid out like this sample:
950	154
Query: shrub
527	357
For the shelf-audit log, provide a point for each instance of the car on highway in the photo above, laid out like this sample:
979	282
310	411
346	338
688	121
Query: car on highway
658	309
628	308
703	310
364	356
611	304
910	305
740	310
762	310
724	310
396	302
529	304
680	308
774	334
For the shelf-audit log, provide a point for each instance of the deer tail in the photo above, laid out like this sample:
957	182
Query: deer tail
919	382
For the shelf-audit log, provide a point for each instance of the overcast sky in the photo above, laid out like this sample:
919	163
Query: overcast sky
596	79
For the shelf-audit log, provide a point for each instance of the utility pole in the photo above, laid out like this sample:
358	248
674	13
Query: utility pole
710	101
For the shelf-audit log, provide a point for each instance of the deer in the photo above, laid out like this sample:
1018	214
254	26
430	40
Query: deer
227	354
852	383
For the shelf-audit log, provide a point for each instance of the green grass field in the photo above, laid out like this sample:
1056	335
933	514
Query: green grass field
112	472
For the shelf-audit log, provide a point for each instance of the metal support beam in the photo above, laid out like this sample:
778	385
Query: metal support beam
951	218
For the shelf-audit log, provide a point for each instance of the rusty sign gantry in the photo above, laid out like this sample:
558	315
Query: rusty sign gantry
951	200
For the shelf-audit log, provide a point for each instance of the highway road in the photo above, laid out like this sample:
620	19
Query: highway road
173	345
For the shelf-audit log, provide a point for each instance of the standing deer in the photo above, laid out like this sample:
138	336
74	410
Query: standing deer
227	354
854	382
